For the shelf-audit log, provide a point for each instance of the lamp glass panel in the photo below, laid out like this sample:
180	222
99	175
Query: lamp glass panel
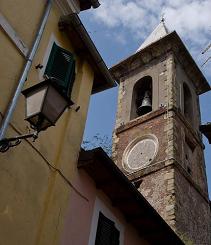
54	105
35	121
45	124
34	101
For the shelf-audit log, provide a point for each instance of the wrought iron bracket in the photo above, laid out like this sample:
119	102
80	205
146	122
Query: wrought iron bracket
7	143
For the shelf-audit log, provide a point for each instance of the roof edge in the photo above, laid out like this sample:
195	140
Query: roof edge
181	49
159	32
96	161
74	21
87	4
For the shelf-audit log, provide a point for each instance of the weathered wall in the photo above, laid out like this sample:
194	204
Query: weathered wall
192	212
34	195
157	69
158	189
82	205
150	124
182	78
157	183
179	165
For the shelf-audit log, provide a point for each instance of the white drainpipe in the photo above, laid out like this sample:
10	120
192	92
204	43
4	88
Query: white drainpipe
9	113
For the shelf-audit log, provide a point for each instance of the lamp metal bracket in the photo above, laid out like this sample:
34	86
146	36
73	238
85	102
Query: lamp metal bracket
7	143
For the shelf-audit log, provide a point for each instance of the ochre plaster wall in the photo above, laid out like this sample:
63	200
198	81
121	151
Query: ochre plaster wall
35	178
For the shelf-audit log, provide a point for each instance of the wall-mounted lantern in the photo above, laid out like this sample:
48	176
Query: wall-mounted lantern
44	106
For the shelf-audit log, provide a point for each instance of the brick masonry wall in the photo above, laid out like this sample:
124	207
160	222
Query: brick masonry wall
158	178
192	213
137	128
185	139
175	182
158	189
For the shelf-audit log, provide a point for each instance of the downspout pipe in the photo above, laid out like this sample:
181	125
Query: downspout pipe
23	77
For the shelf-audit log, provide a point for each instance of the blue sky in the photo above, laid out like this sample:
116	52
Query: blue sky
119	27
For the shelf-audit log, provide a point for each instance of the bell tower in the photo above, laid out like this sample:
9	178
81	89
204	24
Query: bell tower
157	143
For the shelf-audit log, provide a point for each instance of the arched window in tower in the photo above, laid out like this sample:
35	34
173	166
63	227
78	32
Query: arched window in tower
142	97
188	103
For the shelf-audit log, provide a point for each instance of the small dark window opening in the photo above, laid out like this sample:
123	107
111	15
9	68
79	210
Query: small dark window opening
189	170
107	233
142	97
61	68
191	144
188	105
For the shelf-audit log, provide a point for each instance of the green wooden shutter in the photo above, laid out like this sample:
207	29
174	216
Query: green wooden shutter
61	67
107	234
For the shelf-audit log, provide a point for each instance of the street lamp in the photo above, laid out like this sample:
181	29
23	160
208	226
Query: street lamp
45	104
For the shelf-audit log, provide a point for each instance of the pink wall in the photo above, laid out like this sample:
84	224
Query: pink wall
78	219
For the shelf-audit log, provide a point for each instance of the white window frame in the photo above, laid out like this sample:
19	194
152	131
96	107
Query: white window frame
101	207
47	54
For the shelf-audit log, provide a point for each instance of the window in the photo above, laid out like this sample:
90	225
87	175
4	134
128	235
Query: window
107	233
61	67
102	214
188	105
142	97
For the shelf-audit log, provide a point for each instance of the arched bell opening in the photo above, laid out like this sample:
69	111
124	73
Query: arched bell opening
188	103
142	97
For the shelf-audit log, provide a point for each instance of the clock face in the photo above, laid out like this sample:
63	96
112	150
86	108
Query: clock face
140	152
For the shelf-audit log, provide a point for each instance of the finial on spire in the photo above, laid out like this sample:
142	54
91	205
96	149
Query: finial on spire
162	18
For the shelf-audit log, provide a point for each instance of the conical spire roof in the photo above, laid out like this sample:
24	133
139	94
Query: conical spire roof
159	32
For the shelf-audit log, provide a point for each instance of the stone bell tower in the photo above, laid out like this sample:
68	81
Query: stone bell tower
157	143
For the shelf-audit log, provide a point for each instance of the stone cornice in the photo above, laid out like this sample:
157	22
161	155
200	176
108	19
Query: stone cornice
169	43
158	113
140	120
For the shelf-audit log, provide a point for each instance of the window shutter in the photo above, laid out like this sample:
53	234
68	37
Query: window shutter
107	234
61	67
115	236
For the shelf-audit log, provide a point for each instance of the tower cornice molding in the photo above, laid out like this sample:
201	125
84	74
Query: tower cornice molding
169	43
158	113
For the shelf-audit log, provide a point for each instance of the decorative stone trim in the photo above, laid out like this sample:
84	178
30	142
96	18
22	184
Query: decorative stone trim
150	169
140	120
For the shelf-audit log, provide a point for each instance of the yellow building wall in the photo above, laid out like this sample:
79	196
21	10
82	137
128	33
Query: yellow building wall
35	177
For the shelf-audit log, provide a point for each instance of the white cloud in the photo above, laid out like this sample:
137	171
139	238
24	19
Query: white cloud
119	13
191	19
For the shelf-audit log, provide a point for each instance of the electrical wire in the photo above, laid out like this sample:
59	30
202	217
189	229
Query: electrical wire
53	168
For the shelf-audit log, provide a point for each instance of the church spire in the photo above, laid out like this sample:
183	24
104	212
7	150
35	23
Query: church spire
159	32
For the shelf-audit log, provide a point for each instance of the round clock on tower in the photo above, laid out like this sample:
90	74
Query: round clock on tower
140	153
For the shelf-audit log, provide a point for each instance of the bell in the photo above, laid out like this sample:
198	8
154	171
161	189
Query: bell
146	104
